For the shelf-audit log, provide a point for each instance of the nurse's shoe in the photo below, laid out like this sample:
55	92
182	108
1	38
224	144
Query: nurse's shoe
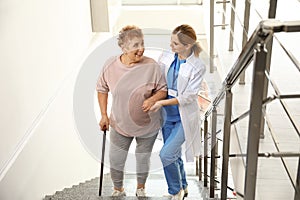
178	196
186	192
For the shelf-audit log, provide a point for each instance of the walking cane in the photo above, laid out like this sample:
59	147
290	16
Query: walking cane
102	161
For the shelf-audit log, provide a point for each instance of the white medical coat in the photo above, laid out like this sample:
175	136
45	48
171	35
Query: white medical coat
190	76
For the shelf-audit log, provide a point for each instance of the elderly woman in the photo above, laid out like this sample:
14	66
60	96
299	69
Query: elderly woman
136	83
184	73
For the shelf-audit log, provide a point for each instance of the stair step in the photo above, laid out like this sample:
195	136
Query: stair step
122	198
130	198
156	188
119	198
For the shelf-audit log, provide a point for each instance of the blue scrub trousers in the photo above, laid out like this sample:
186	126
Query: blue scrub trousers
170	155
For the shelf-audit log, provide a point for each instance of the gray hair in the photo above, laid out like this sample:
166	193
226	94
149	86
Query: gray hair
128	32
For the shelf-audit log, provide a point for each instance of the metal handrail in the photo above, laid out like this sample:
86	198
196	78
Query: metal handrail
263	30
239	66
260	37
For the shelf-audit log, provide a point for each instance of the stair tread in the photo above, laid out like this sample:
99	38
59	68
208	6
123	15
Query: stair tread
119	198
130	198
156	188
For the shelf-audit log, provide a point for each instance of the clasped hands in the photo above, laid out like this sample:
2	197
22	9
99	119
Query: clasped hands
156	106
150	105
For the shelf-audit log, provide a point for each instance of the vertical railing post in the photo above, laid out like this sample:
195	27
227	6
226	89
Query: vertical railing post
216	159
205	150
226	144
232	20
272	9
224	13
297	192
245	33
213	153
200	167
271	15
256	105
212	36
199	160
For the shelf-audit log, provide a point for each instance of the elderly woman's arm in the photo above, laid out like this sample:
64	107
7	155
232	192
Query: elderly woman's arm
148	103
102	100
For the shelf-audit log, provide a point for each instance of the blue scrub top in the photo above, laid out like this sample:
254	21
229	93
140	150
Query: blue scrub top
172	76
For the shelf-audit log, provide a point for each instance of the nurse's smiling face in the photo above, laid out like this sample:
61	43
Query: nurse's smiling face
176	45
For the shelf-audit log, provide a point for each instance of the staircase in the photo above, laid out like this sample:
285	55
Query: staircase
156	188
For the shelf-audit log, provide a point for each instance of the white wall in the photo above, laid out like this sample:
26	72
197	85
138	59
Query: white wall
166	17
42	43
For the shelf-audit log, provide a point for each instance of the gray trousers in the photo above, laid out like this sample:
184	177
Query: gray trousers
118	151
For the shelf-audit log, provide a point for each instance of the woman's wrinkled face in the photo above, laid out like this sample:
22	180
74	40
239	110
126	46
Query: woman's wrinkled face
176	45
134	49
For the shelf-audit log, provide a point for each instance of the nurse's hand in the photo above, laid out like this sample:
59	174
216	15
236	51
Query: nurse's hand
147	105
156	107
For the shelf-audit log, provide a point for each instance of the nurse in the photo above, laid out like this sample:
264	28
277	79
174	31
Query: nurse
184	72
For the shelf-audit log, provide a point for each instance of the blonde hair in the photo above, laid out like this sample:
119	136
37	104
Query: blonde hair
128	32
187	35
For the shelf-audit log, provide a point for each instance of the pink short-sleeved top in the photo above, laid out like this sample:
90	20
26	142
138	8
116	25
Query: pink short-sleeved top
129	87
